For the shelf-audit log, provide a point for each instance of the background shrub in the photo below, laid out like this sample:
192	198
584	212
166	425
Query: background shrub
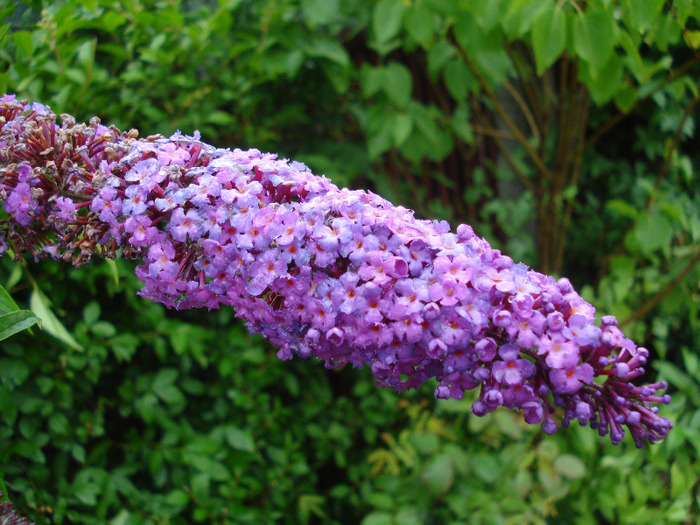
564	132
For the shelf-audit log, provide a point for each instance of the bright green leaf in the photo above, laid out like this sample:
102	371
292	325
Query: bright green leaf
461	125
3	489
403	125
419	23
319	12
548	37
239	439
653	231
91	313
632	58
570	466
386	19
178	498
468	33
24	42
693	39
622	207
487	12
459	80
13	322
7	303
643	12
113	270
220	118
604	85
39	304
594	39
86	53
521	16
440	55
397	84
378	518
329	49
103	329
13	372
438	475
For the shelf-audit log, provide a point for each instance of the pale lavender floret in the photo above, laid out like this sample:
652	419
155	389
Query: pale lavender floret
134	202
21	203
107	204
171	153
143	171
185	225
512	371
66	209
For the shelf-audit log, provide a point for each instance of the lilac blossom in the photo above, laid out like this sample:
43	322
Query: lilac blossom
320	271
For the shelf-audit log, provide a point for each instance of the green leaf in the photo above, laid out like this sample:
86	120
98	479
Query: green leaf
693	39
468	33
7	303
487	12
594	39
3	489
402	127
419	24
632	57
461	125
113	270
13	322
548	37
678	378
39	304
642	13
386	19
103	329
111	21
438	57
459	80
164	378
220	118
397	84
570	466
521	16
665	32
380	133
13	372
438	475
653	232
443	7
91	313
86	492
329	49
239	439
607	83
178	498
319	12
622	207
86	53
378	518
372	79
24	42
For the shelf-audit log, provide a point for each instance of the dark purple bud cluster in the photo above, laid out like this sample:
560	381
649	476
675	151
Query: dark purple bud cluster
341	275
8	516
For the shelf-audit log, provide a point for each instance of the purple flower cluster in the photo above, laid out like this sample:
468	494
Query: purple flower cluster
341	275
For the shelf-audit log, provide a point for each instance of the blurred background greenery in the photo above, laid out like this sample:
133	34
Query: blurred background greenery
562	131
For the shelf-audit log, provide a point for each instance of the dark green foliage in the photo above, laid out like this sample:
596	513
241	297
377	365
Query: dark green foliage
565	132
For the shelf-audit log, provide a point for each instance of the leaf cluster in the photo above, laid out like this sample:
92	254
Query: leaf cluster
563	131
